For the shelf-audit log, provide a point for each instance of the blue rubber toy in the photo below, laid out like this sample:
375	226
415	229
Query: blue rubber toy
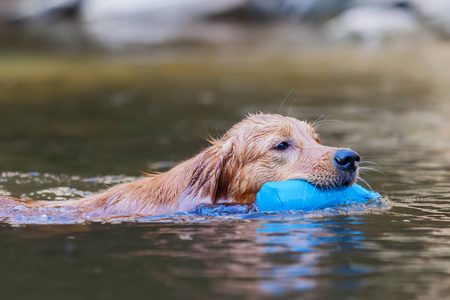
300	195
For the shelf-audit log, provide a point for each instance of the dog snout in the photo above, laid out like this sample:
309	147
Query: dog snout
346	160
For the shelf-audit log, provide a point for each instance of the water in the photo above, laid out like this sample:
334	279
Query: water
76	126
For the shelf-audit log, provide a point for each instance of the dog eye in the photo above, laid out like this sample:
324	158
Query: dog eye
282	146
317	138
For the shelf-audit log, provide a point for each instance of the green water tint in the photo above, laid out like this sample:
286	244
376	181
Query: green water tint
77	123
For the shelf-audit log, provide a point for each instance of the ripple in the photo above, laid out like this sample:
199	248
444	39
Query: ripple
20	215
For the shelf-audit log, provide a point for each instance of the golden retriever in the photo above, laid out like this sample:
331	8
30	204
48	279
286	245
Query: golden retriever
259	149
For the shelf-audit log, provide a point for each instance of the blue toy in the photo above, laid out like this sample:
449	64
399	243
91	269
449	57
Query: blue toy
300	195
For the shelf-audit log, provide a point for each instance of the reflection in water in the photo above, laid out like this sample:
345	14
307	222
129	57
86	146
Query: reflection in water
311	240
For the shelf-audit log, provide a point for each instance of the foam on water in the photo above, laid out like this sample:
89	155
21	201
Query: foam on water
21	215
64	187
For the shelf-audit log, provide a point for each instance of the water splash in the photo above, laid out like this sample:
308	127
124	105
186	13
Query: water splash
64	187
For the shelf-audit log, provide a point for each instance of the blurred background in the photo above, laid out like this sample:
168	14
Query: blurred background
111	86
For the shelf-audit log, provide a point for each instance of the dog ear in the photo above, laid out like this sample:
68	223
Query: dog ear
224	172
209	178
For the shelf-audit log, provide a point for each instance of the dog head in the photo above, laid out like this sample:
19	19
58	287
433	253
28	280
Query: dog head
269	147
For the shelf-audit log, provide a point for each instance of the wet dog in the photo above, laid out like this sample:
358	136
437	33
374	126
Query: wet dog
259	149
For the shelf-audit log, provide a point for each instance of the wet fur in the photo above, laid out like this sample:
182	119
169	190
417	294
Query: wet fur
231	170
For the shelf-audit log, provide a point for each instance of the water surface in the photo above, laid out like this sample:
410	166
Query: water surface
73	126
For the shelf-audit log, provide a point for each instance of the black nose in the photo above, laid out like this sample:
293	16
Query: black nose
347	160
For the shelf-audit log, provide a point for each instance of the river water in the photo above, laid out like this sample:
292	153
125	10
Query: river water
73	126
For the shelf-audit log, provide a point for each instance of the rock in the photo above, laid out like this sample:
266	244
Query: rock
297	9
371	24
435	13
116	23
32	10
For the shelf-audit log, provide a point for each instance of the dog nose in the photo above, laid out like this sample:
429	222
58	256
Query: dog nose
347	160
